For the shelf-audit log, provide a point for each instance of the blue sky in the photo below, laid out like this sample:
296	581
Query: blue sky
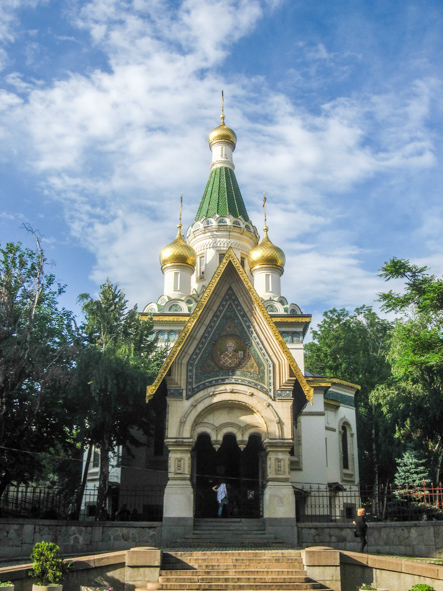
105	107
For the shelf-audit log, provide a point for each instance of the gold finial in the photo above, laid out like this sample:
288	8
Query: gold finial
180	216
222	117
264	208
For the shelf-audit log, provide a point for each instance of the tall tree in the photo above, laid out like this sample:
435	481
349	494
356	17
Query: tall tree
119	360
37	351
413	398
353	347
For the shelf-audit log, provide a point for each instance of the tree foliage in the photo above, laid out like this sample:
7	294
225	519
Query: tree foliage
353	347
413	397
119	360
37	350
411	469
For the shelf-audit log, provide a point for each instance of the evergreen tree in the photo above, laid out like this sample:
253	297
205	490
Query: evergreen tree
119	360
411	470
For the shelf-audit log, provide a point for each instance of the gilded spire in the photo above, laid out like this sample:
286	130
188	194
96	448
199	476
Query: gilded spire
178	252
266	254
223	133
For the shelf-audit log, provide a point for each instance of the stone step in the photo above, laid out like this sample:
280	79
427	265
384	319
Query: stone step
269	572
240	586
274	565
235	554
238	578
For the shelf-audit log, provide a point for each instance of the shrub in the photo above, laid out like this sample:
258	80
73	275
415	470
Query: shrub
48	567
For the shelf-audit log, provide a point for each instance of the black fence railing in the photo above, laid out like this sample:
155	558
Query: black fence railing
339	503
314	503
135	504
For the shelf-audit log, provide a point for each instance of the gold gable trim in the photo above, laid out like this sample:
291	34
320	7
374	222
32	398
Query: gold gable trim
229	257
330	381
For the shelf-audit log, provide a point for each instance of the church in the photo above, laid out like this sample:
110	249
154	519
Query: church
240	407
232	401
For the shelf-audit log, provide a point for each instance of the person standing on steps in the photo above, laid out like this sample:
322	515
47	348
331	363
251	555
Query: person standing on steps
222	497
361	528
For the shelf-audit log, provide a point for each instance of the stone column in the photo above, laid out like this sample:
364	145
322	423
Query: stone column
178	503
278	500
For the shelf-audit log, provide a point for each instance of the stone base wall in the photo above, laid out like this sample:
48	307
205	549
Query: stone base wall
401	539
17	537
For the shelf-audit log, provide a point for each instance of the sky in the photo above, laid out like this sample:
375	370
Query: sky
106	105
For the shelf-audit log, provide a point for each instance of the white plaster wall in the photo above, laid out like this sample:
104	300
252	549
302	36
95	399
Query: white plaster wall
222	155
184	283
298	353
313	443
260	282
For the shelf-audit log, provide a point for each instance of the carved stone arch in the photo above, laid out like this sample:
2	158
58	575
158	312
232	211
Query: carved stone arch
248	413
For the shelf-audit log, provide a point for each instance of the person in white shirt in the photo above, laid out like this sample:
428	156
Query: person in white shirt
222	497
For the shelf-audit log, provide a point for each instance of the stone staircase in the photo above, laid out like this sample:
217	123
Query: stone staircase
229	533
234	570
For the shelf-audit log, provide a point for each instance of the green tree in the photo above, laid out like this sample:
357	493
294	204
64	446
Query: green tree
119	360
353	347
37	350
411	469
413	398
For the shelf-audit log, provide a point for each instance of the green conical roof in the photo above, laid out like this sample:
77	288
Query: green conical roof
222	196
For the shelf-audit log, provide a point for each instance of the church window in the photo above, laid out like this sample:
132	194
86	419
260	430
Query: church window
326	450
248	227
161	336
346	447
208	223
172	336
268	282
296	337
236	223
285	337
344	444
242	262
96	458
272	309
201	263
221	256
176	281
175	308
222	221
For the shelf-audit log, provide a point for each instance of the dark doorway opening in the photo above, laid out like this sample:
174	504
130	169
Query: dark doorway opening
241	471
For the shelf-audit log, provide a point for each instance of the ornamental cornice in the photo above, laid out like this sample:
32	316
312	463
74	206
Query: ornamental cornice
218	243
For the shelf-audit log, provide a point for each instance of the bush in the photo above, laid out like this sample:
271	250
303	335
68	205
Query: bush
48	567
422	587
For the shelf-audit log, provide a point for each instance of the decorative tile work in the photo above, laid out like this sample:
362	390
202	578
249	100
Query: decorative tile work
230	352
284	394
342	398
222	196
177	393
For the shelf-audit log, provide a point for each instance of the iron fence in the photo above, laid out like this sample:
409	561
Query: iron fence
122	504
315	503
339	503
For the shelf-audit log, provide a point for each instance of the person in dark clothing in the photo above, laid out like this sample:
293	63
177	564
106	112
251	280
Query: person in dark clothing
361	528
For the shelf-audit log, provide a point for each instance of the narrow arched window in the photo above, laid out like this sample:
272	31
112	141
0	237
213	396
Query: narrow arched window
344	447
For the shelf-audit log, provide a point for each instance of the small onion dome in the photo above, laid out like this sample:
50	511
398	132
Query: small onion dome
178	253
266	254
222	133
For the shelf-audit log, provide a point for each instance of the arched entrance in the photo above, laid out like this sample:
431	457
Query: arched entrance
242	470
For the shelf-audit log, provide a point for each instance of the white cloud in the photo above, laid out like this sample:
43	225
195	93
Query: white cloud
117	147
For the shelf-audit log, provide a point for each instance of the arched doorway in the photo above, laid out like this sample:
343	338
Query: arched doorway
242	470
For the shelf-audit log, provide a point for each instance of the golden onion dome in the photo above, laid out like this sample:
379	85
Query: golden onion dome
266	254
222	133
178	253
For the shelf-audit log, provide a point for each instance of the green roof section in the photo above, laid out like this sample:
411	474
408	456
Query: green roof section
222	196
